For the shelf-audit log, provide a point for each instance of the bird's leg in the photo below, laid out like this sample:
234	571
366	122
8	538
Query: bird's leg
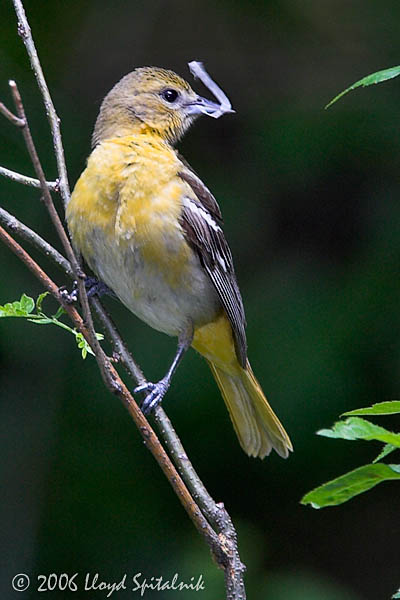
157	391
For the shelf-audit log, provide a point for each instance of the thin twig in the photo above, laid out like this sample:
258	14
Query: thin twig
169	435
10	116
16	226
25	180
216	514
118	344
25	32
192	480
26	132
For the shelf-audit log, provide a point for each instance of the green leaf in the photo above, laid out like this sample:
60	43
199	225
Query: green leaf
39	301
7	310
351	484
18	308
355	428
27	304
377	77
396	595
387	449
83	345
381	408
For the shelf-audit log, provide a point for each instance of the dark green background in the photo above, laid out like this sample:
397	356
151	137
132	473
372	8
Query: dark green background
311	206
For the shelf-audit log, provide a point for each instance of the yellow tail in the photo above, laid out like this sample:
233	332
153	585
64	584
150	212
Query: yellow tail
257	426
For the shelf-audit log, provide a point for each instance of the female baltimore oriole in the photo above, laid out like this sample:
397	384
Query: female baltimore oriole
151	231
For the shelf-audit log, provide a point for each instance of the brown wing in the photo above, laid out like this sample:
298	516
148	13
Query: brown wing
204	233
202	192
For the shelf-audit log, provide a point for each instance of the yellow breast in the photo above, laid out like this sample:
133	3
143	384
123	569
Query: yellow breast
130	193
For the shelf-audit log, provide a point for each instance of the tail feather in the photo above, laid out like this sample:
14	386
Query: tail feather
257	426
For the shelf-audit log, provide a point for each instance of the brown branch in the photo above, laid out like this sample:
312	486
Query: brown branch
10	116
15	226
118	344
48	201
119	388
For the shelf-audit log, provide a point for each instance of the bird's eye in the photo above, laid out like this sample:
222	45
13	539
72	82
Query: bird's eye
170	95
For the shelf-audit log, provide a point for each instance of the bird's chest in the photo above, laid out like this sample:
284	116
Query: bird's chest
124	217
129	200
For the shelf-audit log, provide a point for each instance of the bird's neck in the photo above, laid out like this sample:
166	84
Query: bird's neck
121	124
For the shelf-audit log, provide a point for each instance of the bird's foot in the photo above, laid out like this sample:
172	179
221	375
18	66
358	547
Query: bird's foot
96	287
156	392
69	297
93	286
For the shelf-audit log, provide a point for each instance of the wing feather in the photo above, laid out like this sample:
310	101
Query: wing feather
201	222
200	190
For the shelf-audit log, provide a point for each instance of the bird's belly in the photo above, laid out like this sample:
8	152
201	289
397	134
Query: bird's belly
166	294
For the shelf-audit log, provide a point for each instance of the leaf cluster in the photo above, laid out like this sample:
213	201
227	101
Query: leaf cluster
363	478
27	308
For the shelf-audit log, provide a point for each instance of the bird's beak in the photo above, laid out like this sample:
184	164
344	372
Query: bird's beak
202	106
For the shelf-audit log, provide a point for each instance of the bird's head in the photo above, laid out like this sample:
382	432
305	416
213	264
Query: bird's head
153	99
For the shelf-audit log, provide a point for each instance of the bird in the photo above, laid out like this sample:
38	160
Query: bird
151	231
